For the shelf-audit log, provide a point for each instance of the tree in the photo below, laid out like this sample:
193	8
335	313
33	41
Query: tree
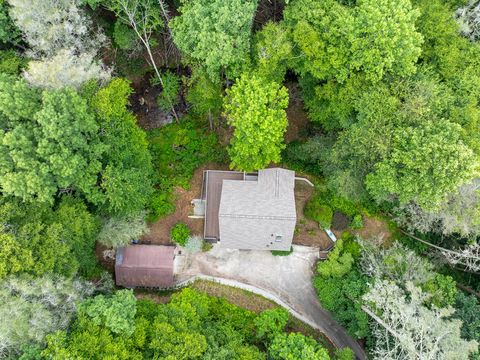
338	263
296	346
50	147
117	232
206	33
9	34
256	110
270	323
375	38
30	308
116	312
468	17
127	165
40	240
60	38
468	311
144	18
407	329
272	51
409	173
458	214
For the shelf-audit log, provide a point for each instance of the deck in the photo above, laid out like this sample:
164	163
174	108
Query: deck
211	192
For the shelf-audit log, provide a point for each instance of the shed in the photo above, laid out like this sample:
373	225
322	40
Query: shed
144	266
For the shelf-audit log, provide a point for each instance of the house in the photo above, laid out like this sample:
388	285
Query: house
250	210
144	266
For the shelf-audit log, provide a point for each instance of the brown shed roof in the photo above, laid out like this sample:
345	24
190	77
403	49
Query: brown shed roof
145	266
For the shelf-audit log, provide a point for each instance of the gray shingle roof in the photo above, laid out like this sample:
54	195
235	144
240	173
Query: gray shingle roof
258	214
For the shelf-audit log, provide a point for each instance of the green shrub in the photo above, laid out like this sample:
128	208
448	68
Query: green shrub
321	213
159	205
170	90
206	246
180	234
124	36
357	222
281	252
10	62
344	354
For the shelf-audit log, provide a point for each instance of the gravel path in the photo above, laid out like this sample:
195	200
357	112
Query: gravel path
286	280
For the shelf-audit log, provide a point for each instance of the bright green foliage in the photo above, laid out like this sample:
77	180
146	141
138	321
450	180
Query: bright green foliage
120	231
357	222
338	263
180	233
272	51
191	326
124	37
318	30
215	33
39	240
116	312
30	308
13	258
204	95
373	37
321	213
46	147
296	346
255	108
386	41
427	163
126	178
270	323
443	290
344	354
170	91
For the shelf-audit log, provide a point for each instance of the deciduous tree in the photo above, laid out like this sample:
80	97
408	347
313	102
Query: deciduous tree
255	108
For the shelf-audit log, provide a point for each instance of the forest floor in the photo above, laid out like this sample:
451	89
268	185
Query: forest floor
159	233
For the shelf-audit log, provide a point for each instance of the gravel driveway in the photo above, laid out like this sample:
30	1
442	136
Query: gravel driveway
288	278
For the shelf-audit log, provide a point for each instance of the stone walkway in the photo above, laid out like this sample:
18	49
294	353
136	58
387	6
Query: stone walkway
286	280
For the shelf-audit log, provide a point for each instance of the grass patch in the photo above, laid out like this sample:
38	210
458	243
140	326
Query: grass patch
282	253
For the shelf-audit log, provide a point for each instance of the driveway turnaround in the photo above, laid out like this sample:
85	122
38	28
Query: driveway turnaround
287	278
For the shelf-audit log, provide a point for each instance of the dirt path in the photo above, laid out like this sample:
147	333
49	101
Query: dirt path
285	278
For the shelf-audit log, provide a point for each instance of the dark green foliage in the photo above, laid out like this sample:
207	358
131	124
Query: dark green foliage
124	37
170	91
310	156
340	287
127	173
180	233
192	325
468	310
204	95
318	211
282	253
9	33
